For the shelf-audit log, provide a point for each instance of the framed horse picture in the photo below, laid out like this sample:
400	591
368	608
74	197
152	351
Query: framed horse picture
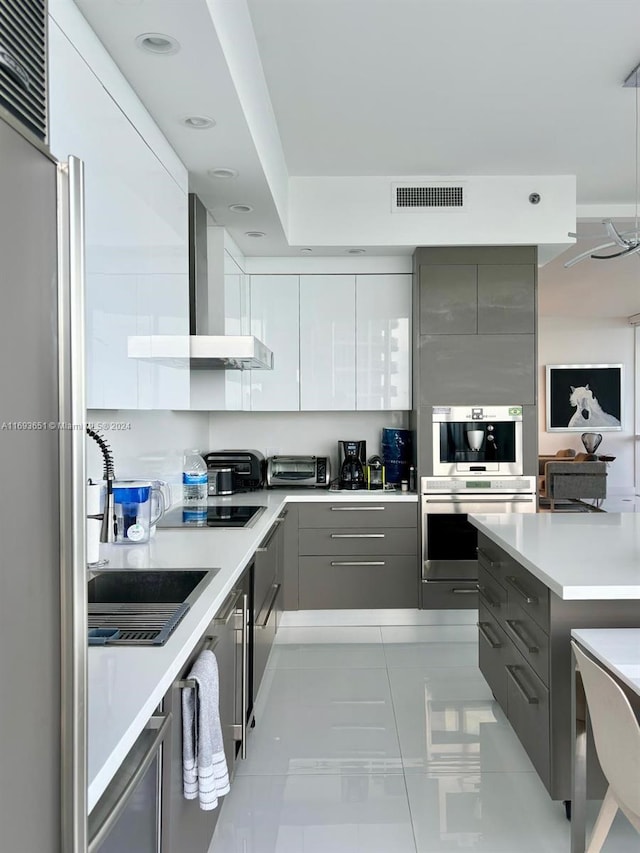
584	397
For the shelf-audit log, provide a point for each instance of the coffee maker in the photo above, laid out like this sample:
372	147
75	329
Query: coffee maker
352	458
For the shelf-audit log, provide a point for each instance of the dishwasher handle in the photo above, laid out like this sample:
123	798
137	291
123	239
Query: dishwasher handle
161	724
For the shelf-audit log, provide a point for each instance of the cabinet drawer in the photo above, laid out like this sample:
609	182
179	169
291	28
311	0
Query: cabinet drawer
528	712
493	558
491	594
370	514
527	593
353	540
368	581
493	651
529	638
449	595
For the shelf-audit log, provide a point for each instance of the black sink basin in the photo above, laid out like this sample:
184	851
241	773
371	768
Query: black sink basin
144	587
141	607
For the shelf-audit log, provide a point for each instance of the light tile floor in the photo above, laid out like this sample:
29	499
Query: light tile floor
387	740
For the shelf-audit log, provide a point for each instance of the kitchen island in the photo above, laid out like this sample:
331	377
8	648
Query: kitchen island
540	576
126	684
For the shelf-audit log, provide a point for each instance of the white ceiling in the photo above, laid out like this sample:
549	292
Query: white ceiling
401	87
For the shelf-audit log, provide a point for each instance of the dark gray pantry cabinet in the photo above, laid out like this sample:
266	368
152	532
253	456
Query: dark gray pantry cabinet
524	632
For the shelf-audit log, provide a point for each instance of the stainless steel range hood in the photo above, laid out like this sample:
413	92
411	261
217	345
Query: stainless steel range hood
203	350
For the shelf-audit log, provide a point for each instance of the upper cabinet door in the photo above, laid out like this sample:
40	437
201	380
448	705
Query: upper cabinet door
135	235
448	299
327	342
383	334
506	299
275	320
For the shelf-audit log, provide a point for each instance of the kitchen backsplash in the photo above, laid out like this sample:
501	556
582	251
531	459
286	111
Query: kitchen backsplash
301	432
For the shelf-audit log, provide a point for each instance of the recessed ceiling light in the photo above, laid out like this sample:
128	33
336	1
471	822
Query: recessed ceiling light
198	122
306	250
355	251
158	43
223	173
255	233
240	208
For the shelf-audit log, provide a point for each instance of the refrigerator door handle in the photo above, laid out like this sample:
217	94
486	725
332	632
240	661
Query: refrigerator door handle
73	560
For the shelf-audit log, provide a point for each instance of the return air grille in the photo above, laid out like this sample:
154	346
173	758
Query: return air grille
429	197
23	63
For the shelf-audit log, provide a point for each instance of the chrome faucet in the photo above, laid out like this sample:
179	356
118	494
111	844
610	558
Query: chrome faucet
108	515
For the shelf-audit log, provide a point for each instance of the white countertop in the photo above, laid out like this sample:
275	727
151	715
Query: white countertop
578	556
617	648
126	684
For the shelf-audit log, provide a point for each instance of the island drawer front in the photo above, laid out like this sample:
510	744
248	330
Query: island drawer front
494	559
371	514
449	595
528	713
353	540
346	582
528	593
493	654
492	594
530	640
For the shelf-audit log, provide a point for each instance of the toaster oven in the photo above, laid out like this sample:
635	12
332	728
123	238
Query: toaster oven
299	471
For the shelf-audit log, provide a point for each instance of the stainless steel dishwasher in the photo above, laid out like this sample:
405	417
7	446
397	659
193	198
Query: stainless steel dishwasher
128	816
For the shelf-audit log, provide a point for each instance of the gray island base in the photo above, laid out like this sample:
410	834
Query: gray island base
541	576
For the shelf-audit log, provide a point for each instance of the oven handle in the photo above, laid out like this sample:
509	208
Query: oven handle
476	499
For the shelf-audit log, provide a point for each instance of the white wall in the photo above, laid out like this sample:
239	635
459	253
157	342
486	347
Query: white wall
148	443
579	340
318	433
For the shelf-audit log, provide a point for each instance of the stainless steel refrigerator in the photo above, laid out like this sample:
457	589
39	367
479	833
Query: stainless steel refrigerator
42	549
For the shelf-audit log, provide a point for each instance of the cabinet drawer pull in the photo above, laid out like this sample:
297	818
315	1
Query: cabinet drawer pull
261	550
512	626
161	724
275	590
358	563
491	563
357	508
483	594
233	598
357	535
511	670
515	584
209	646
463	590
483	631
264	545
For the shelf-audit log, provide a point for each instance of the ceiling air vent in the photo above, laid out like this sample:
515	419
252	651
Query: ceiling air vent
23	63
432	196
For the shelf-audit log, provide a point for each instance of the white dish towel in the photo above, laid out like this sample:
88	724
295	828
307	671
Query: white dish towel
204	766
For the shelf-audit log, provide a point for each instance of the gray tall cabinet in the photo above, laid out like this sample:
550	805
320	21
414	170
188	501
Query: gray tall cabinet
475	336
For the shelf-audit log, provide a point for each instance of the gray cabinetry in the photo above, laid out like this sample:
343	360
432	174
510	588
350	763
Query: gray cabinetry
185	825
267	599
498	369
506	299
449	299
524	633
358	556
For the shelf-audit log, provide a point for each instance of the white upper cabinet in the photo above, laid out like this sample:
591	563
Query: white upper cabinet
136	224
383	335
275	320
327	342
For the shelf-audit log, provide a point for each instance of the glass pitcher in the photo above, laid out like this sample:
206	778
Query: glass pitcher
138	505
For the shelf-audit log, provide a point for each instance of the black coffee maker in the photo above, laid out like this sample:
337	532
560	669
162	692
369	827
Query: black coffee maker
352	457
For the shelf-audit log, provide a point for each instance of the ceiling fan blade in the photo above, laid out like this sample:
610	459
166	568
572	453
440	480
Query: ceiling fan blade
589	254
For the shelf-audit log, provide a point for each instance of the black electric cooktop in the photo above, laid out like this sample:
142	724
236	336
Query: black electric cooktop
215	516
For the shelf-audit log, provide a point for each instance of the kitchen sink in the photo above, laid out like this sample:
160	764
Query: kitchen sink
141	607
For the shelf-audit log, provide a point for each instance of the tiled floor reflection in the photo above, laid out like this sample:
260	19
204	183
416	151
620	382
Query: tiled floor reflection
388	740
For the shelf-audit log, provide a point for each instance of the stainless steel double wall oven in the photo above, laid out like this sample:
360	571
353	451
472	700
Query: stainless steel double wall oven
477	468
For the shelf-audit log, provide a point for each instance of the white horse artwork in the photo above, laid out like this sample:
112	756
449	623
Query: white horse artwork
588	411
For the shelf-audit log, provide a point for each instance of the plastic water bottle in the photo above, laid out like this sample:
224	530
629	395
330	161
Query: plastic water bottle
194	479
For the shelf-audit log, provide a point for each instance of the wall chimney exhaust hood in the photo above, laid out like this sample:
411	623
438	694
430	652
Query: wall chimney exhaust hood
203	351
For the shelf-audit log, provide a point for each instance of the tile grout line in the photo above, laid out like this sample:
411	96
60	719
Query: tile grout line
395	721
